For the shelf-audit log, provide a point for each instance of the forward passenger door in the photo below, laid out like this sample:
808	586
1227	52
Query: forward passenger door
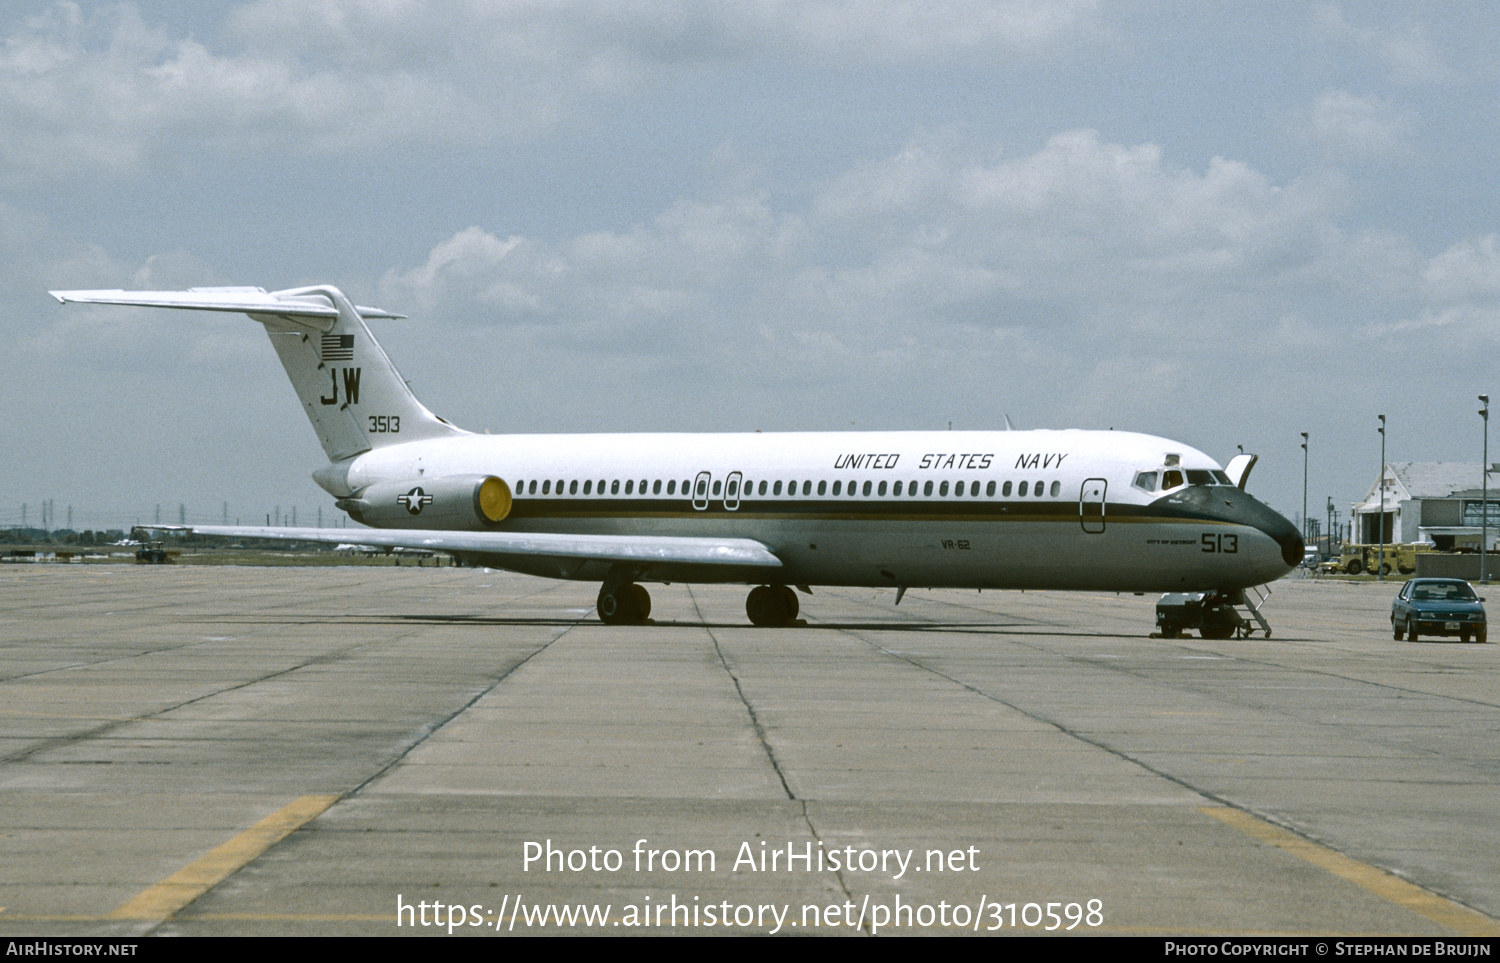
1091	505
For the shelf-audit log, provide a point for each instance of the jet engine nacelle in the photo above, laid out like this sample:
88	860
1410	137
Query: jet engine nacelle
454	502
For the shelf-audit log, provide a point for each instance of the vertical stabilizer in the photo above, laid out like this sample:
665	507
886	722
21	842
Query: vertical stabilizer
352	393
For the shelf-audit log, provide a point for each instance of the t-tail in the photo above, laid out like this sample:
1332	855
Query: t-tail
352	393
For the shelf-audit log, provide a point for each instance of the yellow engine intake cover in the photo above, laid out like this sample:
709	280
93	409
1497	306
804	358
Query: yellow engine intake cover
494	499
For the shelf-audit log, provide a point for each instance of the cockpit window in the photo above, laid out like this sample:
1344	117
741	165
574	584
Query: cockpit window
1176	478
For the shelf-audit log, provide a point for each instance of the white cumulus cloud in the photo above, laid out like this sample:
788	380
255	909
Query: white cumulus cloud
1407	51
86	88
1346	126
1083	236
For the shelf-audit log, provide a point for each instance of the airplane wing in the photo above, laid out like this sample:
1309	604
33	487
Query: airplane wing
645	550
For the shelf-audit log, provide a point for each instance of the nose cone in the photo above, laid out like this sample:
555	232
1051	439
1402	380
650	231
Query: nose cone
1233	505
1293	549
1246	509
1283	532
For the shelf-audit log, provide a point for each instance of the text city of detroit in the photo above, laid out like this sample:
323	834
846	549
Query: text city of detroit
807	857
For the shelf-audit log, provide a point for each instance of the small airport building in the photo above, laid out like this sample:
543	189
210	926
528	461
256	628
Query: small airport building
1438	503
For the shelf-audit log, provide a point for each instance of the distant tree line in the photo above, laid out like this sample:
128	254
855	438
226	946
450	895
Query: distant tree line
59	536
67	538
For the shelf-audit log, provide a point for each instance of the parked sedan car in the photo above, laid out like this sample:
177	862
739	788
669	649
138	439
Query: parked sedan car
1438	606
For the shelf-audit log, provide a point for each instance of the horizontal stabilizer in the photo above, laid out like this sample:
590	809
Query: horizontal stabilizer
241	300
640	549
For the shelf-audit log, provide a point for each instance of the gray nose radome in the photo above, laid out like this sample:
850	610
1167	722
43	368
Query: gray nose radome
1275	525
1233	505
1292	549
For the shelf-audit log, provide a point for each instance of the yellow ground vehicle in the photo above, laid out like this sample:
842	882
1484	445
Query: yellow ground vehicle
1357	559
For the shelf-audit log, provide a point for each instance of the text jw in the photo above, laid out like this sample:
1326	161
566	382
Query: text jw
351	387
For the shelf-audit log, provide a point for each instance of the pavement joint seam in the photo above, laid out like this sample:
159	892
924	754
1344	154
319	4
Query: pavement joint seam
1388	886
161	901
760	730
765	743
427	731
1461	917
69	739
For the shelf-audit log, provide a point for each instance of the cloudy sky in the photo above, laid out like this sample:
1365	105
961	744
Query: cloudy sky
1225	223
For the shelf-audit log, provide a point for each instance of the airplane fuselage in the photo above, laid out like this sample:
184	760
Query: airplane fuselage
1012	509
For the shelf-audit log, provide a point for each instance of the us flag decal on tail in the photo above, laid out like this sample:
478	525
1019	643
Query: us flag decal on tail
338	347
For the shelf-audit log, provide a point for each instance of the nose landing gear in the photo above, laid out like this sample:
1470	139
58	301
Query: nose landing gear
1216	615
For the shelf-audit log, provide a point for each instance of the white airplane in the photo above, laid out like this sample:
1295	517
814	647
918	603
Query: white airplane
1092	510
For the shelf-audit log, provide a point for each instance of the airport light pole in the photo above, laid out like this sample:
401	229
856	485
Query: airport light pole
1380	515
1484	491
1305	526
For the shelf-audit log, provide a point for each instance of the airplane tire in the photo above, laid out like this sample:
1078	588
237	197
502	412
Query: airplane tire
766	605
1220	621
610	608
641	600
789	597
757	608
627	604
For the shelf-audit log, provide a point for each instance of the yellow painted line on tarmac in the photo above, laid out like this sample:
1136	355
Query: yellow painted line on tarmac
1393	889
51	918
163	900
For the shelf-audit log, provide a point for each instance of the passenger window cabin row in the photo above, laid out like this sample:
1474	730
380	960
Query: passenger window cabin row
776	489
1147	481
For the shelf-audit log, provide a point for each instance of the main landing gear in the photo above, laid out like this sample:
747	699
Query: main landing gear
630	604
771	605
624	604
